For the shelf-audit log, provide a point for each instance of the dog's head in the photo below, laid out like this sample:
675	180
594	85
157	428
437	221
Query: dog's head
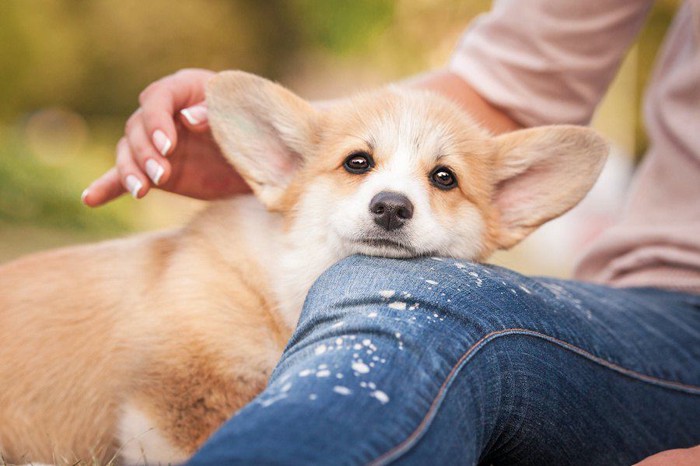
398	172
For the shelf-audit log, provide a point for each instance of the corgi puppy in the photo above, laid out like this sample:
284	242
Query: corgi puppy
139	348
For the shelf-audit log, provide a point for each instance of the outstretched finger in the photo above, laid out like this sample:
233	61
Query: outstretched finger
104	189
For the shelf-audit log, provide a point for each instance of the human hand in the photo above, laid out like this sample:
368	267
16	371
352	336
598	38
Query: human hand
167	143
679	457
172	122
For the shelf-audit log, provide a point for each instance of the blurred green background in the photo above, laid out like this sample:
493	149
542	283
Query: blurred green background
71	72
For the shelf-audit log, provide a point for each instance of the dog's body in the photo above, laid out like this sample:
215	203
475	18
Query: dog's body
153	340
173	331
142	347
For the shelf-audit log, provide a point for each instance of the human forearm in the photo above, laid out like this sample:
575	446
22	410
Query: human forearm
459	91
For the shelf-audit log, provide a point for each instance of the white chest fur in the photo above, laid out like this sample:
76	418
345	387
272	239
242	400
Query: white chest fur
141	443
292	260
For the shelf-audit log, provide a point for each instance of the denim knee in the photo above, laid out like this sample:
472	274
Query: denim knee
437	297
426	322
453	307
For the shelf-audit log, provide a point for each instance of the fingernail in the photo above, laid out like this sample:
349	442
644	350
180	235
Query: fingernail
154	171
162	142
133	185
84	195
195	115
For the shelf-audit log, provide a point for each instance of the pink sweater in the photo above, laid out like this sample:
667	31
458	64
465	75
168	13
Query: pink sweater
548	62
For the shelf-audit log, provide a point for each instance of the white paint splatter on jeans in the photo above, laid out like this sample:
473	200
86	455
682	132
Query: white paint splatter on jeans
342	390
359	366
398	305
272	400
381	396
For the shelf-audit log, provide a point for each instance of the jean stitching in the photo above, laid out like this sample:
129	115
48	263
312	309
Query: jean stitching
413	438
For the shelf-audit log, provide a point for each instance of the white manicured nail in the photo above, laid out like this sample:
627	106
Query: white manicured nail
195	115
154	171
133	185
84	195
162	142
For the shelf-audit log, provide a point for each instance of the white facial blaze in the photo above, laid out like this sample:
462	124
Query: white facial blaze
403	148
353	221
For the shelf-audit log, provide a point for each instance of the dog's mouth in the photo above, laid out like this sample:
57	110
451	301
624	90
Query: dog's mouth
385	243
373	243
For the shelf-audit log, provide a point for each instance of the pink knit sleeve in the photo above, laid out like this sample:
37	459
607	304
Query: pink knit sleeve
548	61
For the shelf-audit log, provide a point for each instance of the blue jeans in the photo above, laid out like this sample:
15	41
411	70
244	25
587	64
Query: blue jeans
436	361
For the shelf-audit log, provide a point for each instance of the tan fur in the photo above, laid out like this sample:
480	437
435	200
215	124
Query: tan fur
185	326
149	318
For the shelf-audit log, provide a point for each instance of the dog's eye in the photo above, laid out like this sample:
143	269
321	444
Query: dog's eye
443	178
358	163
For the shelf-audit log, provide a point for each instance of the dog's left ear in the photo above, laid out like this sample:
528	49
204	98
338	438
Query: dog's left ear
263	129
541	173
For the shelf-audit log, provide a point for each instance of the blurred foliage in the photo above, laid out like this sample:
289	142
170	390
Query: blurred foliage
95	56
33	191
91	58
341	26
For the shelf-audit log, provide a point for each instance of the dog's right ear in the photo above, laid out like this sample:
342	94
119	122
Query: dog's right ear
263	129
541	173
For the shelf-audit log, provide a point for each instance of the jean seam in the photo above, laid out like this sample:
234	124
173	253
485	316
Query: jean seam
412	439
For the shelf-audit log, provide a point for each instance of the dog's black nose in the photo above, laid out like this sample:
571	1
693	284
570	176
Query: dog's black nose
391	210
